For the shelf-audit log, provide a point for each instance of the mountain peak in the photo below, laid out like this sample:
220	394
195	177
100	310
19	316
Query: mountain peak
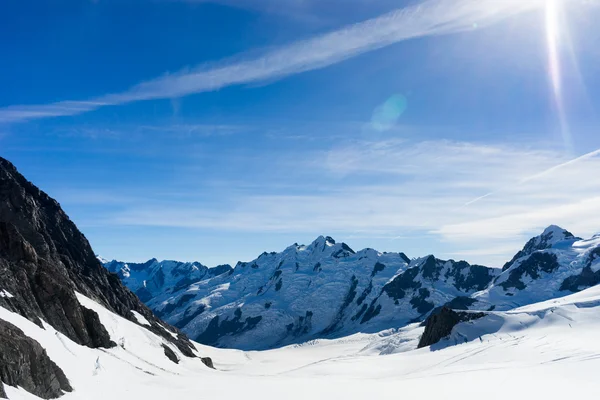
324	239
322	242
557	232
550	237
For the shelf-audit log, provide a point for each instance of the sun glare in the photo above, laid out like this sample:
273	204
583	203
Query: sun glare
553	31
552	37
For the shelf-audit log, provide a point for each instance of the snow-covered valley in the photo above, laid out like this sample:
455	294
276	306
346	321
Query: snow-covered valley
547	350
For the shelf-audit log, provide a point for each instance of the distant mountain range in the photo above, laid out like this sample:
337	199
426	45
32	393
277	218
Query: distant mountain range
326	289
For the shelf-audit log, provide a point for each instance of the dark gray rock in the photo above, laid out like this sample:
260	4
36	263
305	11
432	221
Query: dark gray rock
218	328
99	337
170	354
208	362
404	282
535	264
469	278
439	325
24	363
420	303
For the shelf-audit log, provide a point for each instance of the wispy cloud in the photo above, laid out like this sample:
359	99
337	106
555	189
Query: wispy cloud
431	17
398	189
539	175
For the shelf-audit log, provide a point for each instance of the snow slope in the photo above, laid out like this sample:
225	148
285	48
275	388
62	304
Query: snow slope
547	350
134	364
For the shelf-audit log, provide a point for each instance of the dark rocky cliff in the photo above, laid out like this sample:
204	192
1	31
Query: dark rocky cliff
44	260
440	324
24	363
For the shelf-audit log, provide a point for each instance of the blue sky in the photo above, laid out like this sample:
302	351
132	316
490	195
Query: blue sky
215	130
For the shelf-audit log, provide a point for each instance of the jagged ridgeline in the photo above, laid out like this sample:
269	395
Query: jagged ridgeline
44	261
324	289
327	290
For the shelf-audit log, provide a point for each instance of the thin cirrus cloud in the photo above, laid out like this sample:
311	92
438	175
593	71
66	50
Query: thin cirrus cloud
428	18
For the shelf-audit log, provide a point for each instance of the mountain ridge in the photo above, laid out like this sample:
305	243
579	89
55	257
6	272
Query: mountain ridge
46	266
269	302
354	280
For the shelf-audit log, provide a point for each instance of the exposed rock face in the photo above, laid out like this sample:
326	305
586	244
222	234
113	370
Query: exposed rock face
24	363
208	362
531	268
44	260
439	325
170	354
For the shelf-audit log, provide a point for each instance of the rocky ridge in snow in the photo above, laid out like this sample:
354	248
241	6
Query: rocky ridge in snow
554	264
326	289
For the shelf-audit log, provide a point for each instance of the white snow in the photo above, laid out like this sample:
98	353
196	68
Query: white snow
547	350
140	318
5	294
102	259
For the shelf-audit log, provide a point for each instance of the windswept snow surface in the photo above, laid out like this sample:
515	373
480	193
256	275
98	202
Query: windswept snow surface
546	350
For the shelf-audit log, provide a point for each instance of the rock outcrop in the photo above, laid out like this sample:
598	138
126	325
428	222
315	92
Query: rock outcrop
24	363
440	324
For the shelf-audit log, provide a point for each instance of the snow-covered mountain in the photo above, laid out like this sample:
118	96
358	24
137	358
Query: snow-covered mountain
551	265
54	294
152	278
326	289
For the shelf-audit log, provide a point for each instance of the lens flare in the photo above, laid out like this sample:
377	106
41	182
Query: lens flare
387	115
553	23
